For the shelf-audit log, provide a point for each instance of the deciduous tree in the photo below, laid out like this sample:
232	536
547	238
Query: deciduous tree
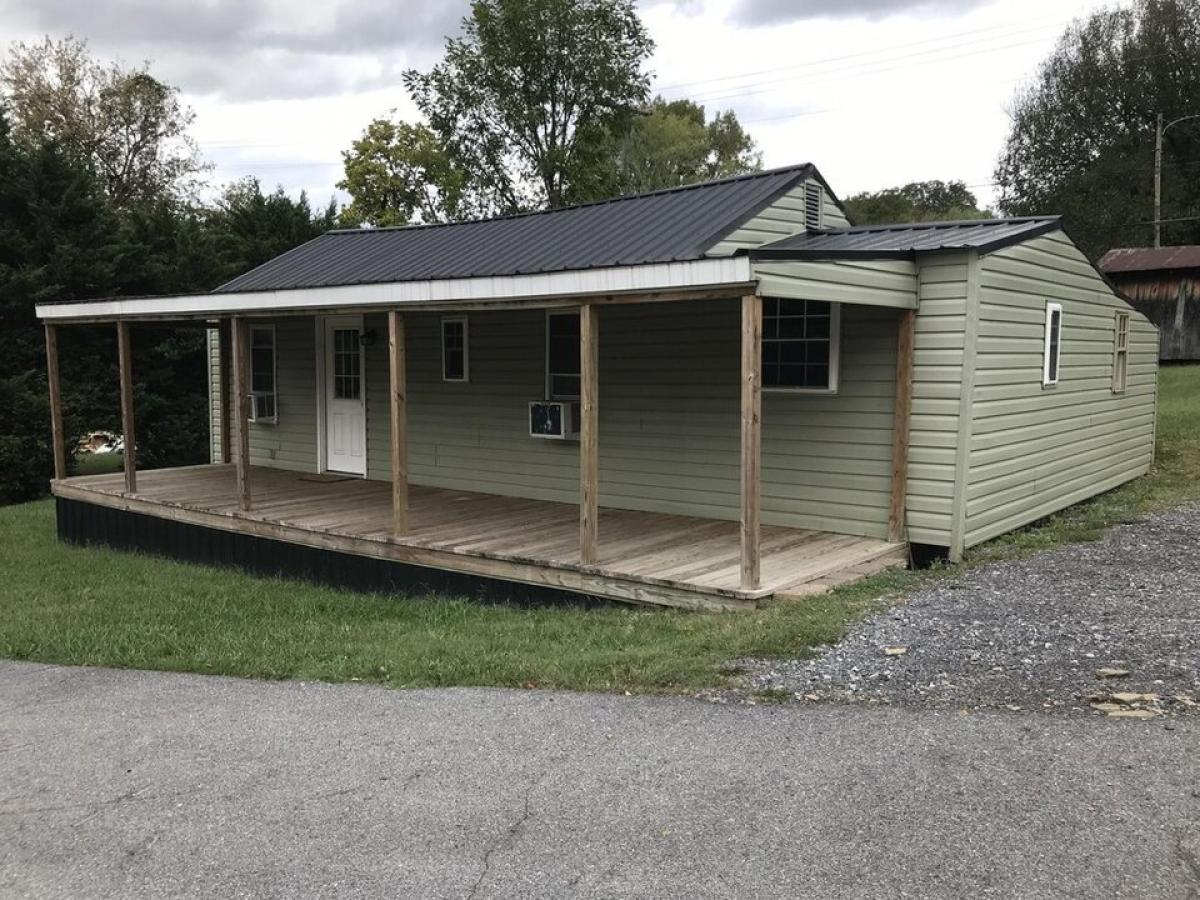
132	127
672	143
525	98
1082	136
398	174
918	201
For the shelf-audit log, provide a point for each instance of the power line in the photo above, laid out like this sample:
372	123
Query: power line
859	55
876	68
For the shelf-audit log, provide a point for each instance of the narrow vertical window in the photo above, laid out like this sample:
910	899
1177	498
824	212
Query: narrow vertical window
1121	353
347	364
1053	346
562	355
263	399
454	348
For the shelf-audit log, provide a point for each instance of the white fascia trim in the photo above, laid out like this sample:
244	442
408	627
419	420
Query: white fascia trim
583	282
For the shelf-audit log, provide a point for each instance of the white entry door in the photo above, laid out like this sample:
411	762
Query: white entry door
345	397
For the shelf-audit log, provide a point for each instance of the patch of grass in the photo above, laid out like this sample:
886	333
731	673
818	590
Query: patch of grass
92	606
98	463
99	607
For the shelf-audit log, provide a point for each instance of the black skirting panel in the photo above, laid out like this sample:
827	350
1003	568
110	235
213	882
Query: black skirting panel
88	524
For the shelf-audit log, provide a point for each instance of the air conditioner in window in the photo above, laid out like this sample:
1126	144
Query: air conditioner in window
262	407
554	420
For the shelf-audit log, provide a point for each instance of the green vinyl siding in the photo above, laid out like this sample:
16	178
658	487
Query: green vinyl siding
831	214
291	443
938	352
868	282
669	414
1033	449
214	395
782	218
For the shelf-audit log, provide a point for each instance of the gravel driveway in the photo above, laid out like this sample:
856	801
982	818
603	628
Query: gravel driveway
1085	627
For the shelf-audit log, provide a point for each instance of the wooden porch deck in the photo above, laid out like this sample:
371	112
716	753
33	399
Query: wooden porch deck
643	557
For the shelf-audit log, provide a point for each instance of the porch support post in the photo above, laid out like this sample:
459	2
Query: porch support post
398	360
224	364
56	417
589	448
241	394
901	419
751	438
125	362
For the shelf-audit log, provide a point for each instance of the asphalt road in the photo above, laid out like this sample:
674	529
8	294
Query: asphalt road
132	784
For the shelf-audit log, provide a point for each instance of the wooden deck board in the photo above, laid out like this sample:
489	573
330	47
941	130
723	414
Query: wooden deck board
647	557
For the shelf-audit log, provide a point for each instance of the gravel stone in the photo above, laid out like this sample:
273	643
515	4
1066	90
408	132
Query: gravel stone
1045	632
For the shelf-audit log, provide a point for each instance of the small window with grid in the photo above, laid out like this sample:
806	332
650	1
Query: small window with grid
347	364
1120	353
799	344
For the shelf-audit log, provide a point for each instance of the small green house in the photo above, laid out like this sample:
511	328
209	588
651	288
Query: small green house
704	396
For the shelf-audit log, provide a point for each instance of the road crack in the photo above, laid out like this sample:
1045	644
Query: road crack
506	840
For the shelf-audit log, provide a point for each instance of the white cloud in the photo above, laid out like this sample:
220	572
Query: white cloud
889	91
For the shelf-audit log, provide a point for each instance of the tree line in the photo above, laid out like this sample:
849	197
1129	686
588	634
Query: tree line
535	104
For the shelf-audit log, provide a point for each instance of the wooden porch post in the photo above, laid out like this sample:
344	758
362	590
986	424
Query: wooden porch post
224	362
752	313
125	362
56	417
589	448
902	417
398	359
241	393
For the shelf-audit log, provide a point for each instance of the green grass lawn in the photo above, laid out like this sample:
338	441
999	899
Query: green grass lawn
98	607
98	463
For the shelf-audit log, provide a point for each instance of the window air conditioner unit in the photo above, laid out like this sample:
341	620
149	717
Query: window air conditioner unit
554	420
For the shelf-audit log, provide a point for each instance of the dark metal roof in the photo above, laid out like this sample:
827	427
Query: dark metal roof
1149	259
905	240
664	226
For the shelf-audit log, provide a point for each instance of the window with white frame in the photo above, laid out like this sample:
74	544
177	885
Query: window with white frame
1120	353
263	399
800	345
455	349
562	355
1053	344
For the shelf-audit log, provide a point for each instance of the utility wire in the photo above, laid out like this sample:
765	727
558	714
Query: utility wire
848	56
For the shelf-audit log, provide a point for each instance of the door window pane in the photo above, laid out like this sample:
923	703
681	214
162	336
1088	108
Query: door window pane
347	361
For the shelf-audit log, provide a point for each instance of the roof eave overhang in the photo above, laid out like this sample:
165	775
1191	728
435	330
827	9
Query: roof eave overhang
686	279
785	255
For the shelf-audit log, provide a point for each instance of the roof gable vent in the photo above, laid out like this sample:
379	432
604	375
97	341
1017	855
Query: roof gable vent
813	201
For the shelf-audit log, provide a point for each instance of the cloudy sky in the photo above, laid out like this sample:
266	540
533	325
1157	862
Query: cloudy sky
875	92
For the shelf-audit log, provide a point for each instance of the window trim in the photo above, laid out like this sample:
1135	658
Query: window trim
254	417
1120	374
466	349
549	394
1051	309
835	357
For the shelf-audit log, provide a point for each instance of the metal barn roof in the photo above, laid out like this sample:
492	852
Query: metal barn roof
985	235
1149	259
663	226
